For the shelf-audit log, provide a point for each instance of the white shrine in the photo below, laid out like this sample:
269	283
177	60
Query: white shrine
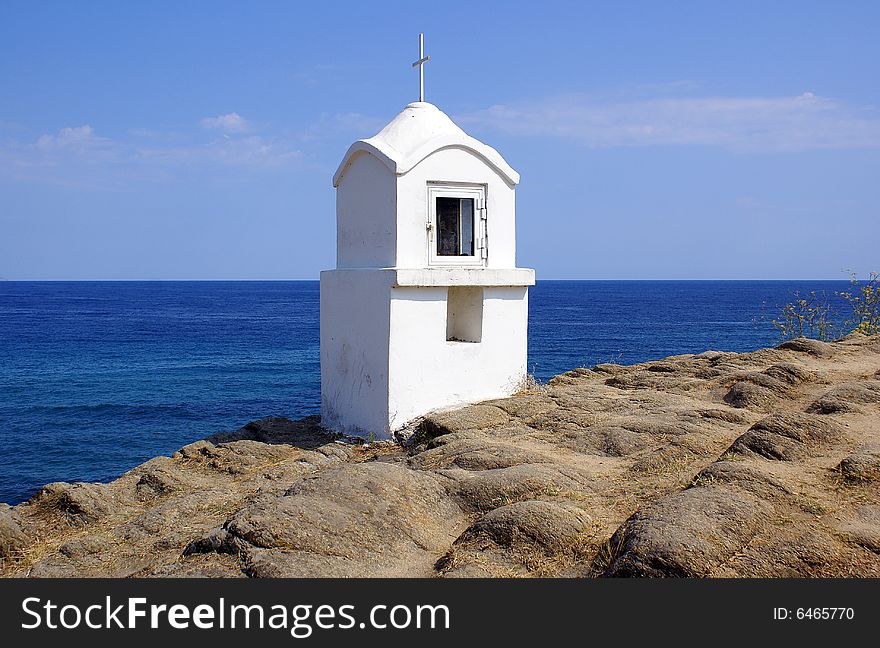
426	309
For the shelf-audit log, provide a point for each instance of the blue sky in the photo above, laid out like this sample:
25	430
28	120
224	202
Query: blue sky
655	140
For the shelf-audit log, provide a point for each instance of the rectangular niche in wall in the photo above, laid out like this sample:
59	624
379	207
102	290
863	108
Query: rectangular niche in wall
464	314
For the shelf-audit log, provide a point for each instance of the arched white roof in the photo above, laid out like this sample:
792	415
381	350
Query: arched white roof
416	132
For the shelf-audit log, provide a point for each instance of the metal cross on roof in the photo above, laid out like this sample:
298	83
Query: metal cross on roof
421	63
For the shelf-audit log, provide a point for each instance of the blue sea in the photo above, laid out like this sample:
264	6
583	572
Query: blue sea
97	377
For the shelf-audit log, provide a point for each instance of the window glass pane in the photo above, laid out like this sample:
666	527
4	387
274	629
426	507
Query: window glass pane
455	226
448	226
467	227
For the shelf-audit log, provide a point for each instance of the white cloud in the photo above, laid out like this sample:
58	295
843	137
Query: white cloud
78	156
251	150
231	123
796	123
72	138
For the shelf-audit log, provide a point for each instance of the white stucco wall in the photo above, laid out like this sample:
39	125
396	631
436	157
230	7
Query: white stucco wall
366	215
381	217
427	373
354	351
385	359
457	166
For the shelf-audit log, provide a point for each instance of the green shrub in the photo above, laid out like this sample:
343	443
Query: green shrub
810	315
806	316
864	300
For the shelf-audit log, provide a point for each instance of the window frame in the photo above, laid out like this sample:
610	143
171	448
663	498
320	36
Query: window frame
458	190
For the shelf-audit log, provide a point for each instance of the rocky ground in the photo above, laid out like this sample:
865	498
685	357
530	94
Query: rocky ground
717	464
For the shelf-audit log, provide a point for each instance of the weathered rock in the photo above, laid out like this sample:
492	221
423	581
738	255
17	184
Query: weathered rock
800	427
620	442
235	457
611	368
612	441
663	367
742	476
863	527
551	526
768	445
206	565
544	483
490	489
862	466
723	415
748	394
306	433
157	478
85	546
217	540
353	516
791	373
801	552
762	389
80	503
686	534
647	379
657	427
528	406
846	398
784	437
474	417
475	454
815	348
12	538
